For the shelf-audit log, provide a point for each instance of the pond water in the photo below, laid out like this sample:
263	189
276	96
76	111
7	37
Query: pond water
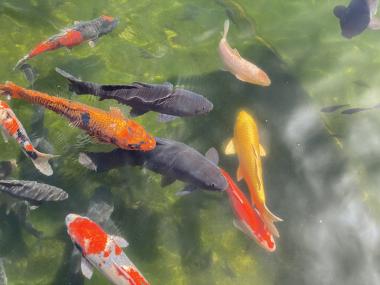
320	173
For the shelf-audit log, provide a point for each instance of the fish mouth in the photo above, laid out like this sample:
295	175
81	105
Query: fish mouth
70	218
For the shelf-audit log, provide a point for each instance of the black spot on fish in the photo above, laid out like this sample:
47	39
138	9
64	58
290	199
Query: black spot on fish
33	155
85	119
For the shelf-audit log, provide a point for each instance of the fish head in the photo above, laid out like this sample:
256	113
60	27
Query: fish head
88	236
195	105
243	117
257	76
108	24
134	137
213	179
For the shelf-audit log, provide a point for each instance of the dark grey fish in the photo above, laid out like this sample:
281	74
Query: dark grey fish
333	108
144	97
3	275
173	160
6	168
32	191
357	16
30	73
354	110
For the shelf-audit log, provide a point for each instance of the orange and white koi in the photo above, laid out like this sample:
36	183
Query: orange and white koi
248	219
242	69
102	251
12	127
77	34
108	127
246	144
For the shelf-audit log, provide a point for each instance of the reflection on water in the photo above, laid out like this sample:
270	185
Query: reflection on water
326	192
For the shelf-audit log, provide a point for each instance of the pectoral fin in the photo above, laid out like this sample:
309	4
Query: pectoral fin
241	226
87	269
187	190
230	148
120	241
374	24
236	52
239	175
212	155
136	112
4	135
164	118
262	151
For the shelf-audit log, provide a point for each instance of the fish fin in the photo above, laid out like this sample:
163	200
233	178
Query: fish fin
117	112
142	84
137	112
230	148
76	22
168	84
42	163
262	150
241	226
374	24
4	135
212	155
120	241
86	267
236	52
92	43
21	62
187	190
239	175
269	218
87	162
167	180
226	28
165	118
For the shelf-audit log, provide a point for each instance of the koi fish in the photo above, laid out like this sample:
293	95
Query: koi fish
246	144
242	69
102	251
357	17
108	127
331	109
170	102
12	127
248	219
85	31
173	160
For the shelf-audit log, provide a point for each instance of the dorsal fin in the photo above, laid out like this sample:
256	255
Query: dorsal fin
117	112
236	52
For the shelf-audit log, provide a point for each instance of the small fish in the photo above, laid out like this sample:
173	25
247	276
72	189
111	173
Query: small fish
107	127
12	127
102	251
331	109
173	160
144	97
6	168
354	110
30	73
246	145
357	17
86	31
238	66
32	191
248	219
3	275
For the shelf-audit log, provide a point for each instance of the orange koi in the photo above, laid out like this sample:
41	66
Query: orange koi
107	127
249	220
246	144
77	34
12	127
102	251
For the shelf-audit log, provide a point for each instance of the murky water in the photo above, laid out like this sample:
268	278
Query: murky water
321	171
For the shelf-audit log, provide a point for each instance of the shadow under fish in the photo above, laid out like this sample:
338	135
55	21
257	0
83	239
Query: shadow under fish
165	99
357	17
173	160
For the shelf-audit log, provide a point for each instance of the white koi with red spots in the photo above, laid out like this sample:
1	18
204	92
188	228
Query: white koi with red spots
102	251
12	127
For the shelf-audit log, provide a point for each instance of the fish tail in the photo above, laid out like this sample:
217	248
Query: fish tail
226	28
42	163
75	84
10	89
21	62
269	219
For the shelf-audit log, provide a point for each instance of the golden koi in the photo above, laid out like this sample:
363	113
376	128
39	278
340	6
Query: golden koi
246	145
242	69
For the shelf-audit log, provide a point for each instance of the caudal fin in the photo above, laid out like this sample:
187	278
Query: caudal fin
42	163
226	28
75	84
21	62
269	219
